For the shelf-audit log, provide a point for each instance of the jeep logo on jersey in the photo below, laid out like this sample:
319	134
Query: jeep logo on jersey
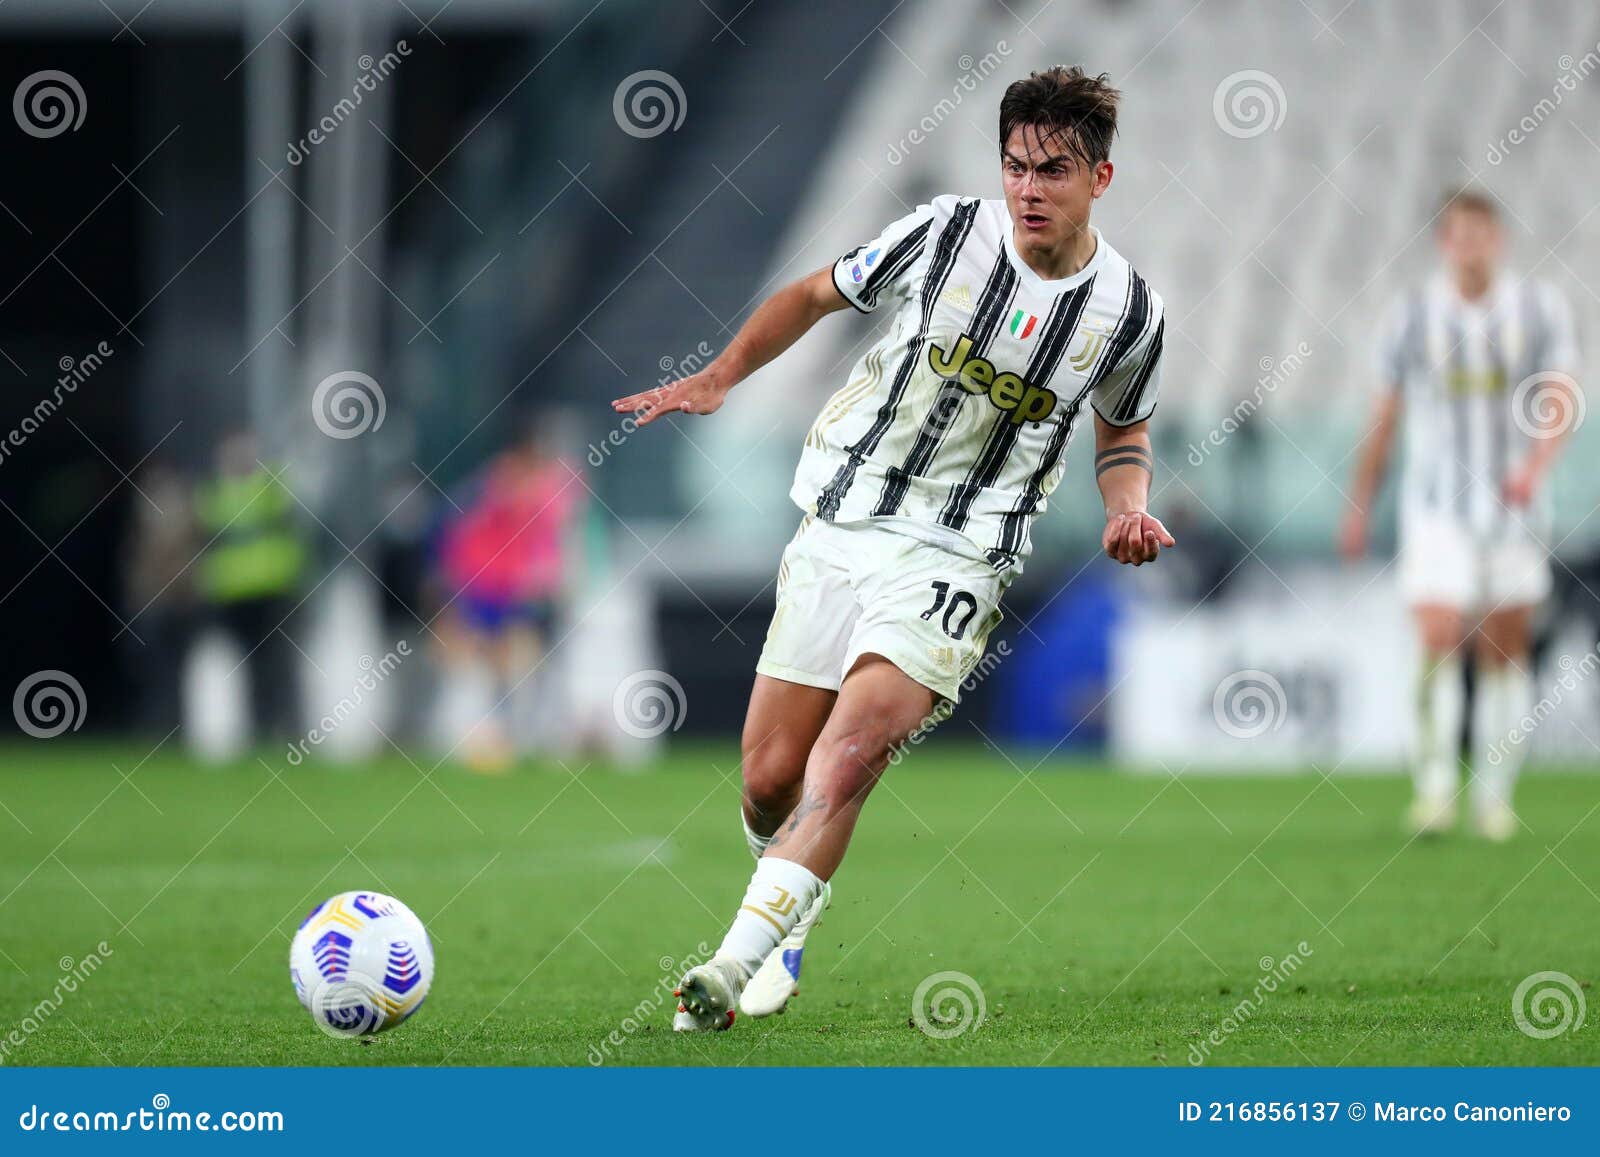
977	375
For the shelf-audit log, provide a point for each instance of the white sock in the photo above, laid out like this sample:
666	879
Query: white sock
1441	704
1503	694
757	842
780	891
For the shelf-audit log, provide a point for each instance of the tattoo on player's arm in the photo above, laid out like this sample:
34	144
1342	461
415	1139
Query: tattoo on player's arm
1122	456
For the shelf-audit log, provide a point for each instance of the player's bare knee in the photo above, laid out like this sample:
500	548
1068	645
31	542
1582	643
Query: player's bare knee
849	762
773	772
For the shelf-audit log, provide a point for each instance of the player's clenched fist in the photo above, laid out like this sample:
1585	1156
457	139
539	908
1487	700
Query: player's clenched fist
1135	537
697	394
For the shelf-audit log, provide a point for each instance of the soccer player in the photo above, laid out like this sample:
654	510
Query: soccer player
1480	359
920	481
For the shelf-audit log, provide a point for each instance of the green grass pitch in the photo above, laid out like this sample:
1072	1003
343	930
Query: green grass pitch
1107	919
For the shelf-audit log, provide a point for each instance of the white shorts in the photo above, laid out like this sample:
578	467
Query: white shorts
1444	562
851	589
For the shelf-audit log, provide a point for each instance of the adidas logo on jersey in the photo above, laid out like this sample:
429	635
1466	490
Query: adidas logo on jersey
1007	391
957	295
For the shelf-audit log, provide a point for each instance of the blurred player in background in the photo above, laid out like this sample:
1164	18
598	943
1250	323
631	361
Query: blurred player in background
503	561
1480	360
919	483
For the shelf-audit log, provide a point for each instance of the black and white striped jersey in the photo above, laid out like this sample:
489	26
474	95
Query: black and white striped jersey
957	420
1468	373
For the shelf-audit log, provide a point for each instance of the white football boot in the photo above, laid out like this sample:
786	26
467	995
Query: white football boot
1495	821
778	978
707	996
1431	815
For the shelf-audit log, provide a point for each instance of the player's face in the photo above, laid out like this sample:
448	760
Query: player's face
1471	241
1049	191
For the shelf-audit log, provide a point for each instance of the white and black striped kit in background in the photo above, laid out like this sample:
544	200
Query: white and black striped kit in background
1458	365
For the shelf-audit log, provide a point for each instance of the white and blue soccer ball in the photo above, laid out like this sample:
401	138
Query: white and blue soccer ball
361	963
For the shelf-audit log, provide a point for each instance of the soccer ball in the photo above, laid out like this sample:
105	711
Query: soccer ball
361	962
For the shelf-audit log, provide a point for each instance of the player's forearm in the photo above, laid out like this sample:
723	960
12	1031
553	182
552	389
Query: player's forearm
1373	462
1557	412
777	324
1123	467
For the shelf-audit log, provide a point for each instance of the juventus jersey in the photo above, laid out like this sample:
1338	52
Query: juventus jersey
1458	365
955	423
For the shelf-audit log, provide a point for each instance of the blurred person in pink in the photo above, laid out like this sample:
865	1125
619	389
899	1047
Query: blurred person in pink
504	557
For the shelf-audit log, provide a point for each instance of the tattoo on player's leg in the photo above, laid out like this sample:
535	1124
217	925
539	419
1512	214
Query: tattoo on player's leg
811	801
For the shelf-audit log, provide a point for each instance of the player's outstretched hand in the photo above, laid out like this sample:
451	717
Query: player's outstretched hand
1135	537
696	394
1521	485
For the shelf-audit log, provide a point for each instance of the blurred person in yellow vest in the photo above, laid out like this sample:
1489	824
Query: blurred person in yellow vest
251	572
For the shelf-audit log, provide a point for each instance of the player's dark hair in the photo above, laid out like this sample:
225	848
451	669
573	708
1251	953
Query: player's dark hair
1470	200
1065	105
